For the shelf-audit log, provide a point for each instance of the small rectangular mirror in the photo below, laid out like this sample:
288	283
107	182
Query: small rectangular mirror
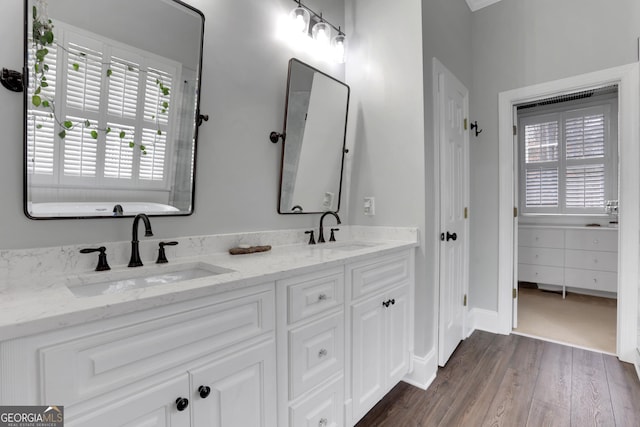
314	144
111	107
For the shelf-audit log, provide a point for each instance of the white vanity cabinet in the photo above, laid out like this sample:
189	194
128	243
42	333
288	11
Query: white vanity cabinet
147	368
381	312
575	257
311	349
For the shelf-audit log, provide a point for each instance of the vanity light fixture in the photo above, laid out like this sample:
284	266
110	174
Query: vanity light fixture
301	18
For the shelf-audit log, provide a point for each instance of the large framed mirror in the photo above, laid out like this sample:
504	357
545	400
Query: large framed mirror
111	107
313	147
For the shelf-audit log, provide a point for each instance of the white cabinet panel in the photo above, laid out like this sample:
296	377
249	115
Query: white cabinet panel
541	237
377	275
153	407
242	390
320	409
398	335
368	364
591	260
592	240
316	353
541	274
105	360
314	293
591	279
541	256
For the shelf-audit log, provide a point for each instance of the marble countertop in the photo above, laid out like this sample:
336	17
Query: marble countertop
31	302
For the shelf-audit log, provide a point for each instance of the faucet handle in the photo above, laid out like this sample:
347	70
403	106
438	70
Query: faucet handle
162	257
332	238
312	240
103	265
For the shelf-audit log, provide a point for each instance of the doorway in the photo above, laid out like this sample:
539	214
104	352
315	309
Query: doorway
566	189
627	79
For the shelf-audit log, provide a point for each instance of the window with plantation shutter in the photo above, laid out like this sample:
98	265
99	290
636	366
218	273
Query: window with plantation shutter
114	117
567	160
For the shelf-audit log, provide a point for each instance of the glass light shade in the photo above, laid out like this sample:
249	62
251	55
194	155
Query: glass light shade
339	48
300	20
321	33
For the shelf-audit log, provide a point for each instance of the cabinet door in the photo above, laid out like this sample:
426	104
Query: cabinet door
154	406
242	389
397	335
368	362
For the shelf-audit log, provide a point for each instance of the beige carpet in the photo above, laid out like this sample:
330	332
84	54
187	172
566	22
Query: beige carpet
579	320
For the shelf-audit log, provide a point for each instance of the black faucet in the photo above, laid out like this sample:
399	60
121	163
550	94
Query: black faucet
117	210
321	231
135	253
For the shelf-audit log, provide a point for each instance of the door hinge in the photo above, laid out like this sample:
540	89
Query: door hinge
515	293
465	124
465	300
515	130
466	213
515	212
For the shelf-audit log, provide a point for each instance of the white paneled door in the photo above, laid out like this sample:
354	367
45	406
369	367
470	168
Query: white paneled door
453	141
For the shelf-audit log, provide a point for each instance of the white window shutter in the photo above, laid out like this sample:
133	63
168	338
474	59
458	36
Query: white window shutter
123	88
585	186
152	163
84	78
542	142
118	158
80	151
585	137
541	187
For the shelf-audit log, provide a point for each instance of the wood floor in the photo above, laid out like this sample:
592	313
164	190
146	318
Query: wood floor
513	381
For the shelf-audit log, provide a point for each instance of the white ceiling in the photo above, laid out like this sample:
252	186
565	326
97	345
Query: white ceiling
479	4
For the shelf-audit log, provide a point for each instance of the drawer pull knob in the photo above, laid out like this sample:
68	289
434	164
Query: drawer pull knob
322	353
204	391
322	297
182	403
323	422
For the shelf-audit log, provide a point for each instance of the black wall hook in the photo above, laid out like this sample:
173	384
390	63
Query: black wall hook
275	136
12	80
474	125
201	118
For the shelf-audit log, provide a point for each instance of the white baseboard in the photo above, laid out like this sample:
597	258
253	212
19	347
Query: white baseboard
424	370
483	320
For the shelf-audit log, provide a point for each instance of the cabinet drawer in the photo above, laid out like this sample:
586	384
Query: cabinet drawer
103	361
591	260
379	274
541	274
592	240
590	279
321	409
541	256
316	351
541	237
313	293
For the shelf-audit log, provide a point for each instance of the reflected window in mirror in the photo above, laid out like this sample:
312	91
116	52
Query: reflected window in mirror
111	107
314	144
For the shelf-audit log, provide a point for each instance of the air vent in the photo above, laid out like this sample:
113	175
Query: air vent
606	90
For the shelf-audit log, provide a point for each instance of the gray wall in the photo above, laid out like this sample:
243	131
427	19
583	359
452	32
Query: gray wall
243	91
518	43
391	129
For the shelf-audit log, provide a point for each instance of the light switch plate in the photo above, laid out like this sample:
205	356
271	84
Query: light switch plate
369	206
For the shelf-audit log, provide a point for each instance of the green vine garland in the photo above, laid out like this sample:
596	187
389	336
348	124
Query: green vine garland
43	38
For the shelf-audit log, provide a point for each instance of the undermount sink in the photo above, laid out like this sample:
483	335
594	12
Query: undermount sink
122	281
347	246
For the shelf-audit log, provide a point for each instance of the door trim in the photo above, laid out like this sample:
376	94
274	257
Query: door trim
628	79
438	69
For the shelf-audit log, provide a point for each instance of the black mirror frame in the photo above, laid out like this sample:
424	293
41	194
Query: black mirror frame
198	118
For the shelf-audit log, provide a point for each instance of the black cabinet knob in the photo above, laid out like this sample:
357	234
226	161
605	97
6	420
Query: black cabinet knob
204	391
182	403
451	236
